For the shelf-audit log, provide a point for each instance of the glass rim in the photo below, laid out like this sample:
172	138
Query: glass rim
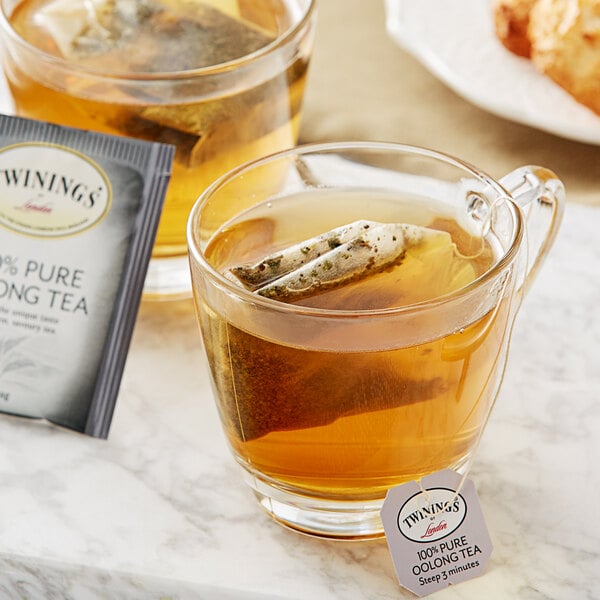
329	147
225	67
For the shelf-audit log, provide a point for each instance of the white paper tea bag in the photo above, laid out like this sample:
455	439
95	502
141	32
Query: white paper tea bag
362	265
149	35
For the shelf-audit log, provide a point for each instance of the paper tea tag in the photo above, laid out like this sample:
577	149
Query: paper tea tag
437	536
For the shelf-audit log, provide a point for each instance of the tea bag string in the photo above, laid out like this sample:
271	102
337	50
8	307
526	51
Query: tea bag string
486	225
471	459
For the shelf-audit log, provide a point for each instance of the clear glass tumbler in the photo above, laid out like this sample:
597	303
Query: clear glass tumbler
223	86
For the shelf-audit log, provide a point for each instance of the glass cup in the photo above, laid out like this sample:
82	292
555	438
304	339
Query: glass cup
329	401
242	102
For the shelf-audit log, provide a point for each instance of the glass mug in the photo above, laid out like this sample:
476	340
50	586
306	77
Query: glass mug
330	400
221	104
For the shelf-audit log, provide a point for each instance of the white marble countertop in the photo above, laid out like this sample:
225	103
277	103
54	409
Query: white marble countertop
159	510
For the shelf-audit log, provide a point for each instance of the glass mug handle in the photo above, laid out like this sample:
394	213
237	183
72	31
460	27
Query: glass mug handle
540	195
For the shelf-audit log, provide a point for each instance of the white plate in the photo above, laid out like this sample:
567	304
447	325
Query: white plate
6	104
456	42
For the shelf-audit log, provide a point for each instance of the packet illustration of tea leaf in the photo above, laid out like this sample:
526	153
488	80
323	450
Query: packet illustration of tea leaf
78	217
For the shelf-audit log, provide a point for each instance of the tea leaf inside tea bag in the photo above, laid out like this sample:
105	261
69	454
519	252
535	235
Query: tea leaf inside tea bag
144	36
298	255
148	35
192	35
94	26
334	259
274	387
283	390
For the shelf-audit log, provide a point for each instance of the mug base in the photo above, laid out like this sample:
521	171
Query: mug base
346	520
168	279
319	517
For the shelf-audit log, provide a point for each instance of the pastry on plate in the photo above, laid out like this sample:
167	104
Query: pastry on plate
565	45
511	20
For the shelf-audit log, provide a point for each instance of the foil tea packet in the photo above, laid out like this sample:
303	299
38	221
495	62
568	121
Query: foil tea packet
78	216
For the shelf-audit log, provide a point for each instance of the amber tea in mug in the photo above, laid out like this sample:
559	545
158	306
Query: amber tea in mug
221	81
421	405
330	393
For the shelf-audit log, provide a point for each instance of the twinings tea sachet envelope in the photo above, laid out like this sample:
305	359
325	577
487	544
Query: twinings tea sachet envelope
78	216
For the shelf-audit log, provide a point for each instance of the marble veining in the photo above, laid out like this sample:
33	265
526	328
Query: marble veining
159	510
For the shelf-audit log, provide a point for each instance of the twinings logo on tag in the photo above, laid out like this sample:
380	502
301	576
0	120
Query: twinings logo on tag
432	516
50	191
436	533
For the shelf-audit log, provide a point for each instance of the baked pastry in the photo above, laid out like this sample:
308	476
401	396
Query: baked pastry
511	20
565	45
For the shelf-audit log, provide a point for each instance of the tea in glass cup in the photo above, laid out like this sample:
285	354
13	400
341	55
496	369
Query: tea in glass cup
220	80
356	320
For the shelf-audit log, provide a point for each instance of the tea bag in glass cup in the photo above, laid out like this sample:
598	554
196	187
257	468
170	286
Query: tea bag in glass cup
186	35
363	265
335	267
